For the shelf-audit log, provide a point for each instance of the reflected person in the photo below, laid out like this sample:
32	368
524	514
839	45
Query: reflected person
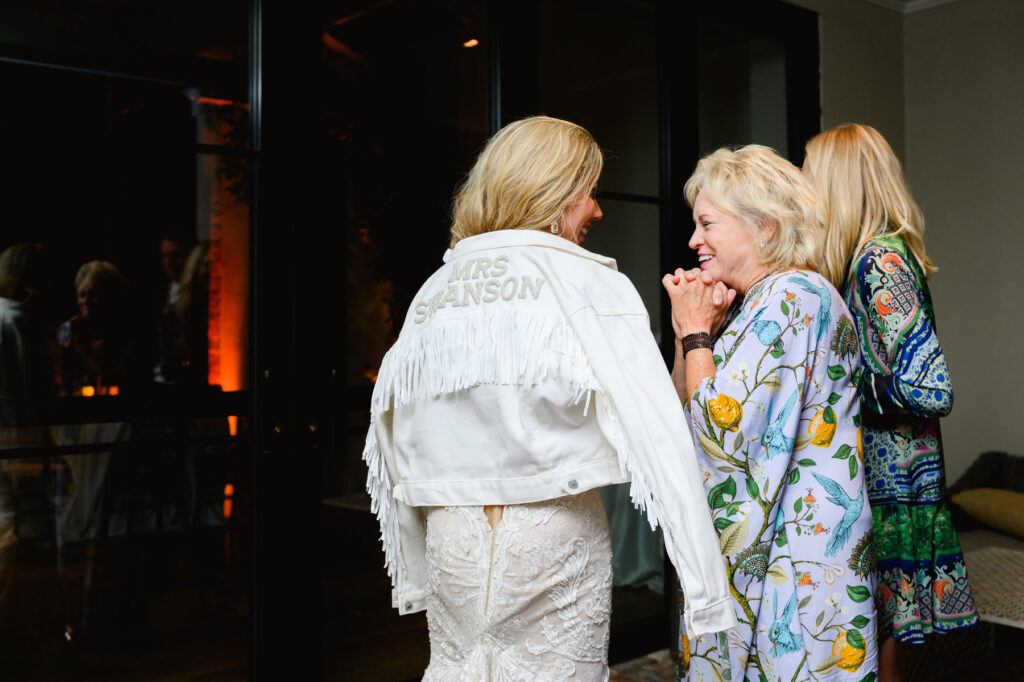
96	344
26	379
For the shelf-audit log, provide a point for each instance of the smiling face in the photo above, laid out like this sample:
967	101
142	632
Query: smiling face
578	218
726	247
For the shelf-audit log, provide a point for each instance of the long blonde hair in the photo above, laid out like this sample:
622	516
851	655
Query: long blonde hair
863	193
526	178
760	187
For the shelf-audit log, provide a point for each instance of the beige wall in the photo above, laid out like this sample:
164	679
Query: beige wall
861	66
945	85
964	75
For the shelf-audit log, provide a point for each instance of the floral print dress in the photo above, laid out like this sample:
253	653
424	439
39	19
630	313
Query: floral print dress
922	581
777	438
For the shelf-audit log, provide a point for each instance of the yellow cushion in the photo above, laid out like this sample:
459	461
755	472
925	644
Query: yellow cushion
1001	509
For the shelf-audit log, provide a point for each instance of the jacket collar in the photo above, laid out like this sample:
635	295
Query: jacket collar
505	238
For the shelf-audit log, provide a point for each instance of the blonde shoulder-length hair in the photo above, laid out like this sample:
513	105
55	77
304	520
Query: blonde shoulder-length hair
526	178
763	189
863	193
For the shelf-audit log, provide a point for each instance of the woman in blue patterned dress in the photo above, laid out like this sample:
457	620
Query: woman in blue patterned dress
875	250
774	409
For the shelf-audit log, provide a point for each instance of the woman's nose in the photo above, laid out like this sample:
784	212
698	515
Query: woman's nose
695	240
597	215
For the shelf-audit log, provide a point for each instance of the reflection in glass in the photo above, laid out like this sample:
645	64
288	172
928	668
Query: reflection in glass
124	317
383	61
222	274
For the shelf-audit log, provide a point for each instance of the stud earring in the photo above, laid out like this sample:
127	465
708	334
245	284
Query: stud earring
761	244
554	227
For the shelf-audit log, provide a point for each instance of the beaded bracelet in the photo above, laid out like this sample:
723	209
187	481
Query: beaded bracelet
697	340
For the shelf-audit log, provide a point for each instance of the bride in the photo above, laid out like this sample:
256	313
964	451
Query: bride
526	377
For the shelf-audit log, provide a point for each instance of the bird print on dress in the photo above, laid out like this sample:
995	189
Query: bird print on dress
853	507
767	331
824	316
774	438
783	639
781	406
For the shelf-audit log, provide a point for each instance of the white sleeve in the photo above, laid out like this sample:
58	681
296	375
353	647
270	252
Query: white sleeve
402	528
640	413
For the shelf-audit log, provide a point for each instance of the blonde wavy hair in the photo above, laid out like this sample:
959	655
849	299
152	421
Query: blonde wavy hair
526	178
863	193
763	189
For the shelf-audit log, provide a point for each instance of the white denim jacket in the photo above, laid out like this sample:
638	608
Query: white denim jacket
526	371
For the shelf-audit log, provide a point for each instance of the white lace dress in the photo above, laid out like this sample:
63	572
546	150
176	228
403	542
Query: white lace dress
529	601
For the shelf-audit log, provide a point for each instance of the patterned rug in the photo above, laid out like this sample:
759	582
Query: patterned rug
998	584
654	667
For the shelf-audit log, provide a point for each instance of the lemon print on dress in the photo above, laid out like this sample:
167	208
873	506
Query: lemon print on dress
850	657
822	430
726	412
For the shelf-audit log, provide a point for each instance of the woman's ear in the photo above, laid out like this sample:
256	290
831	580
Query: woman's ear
766	230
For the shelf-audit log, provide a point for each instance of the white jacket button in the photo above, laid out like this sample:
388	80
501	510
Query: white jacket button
573	484
408	606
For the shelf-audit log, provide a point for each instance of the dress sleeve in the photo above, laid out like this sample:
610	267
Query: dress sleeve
746	417
890	294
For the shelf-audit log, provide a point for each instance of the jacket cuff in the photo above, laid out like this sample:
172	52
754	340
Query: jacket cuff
409	602
715	617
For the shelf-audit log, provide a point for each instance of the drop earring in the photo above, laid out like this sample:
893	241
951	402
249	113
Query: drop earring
554	227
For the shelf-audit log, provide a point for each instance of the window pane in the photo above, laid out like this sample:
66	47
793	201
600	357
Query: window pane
124	302
598	69
185	42
742	89
628	232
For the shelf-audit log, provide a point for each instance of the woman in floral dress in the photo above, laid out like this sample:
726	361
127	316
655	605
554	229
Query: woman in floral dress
875	250
774	408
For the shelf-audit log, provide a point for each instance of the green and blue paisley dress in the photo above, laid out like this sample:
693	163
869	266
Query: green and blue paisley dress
776	431
905	388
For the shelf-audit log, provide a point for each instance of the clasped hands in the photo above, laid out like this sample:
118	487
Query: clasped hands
699	303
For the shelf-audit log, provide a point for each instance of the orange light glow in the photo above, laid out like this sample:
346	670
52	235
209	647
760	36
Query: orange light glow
228	320
112	390
88	391
219	102
233	424
335	45
472	42
229	493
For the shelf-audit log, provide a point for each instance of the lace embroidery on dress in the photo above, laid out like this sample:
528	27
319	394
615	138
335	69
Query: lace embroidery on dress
533	602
